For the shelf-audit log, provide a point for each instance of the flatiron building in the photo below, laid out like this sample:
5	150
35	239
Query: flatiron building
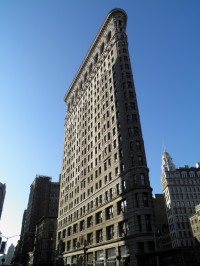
105	205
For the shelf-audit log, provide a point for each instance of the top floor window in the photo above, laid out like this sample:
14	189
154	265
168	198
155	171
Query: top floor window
85	76
108	36
96	58
184	174
102	48
192	174
90	68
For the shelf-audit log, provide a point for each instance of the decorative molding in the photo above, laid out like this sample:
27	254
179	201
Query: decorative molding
95	48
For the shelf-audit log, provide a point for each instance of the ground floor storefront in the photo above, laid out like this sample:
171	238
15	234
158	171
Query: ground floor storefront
113	256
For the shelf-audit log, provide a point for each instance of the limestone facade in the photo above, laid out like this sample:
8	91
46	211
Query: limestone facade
105	205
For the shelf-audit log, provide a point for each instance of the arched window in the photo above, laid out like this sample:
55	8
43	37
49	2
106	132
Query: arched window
85	76
80	85
108	36
90	68
102	48
96	58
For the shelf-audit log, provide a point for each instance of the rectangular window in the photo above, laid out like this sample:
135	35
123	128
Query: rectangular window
142	179
129	84
105	179
110	176
136	131
133	107
69	245
116	171
98	217
122	167
131	95
140	160
69	231
89	221
110	232
123	185
138	145
75	243
123	228
90	238
109	212
82	225
99	236
145	199
64	233
100	199
122	206
75	228
148	222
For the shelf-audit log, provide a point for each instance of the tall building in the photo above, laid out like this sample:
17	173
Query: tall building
105	204
18	257
2	196
43	201
9	254
181	189
161	222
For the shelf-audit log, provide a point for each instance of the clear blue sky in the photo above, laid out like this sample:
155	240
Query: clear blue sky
42	44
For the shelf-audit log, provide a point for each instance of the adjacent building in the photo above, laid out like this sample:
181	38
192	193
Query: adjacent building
105	204
9	254
161	223
195	224
2	196
43	201
181	189
45	241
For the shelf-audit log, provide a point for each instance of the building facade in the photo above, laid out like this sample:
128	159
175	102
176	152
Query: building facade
181	189
43	201
105	204
45	241
161	222
18	255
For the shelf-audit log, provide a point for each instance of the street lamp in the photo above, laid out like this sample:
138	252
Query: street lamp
3	259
